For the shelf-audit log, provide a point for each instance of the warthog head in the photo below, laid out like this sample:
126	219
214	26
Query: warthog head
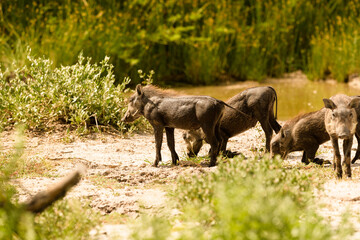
135	105
341	120
280	143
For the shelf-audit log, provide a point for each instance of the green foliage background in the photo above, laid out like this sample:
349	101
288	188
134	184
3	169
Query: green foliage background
193	41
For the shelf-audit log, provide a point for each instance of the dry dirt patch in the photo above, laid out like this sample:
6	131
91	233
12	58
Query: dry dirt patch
120	177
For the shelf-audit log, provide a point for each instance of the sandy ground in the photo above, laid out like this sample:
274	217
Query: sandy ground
120	177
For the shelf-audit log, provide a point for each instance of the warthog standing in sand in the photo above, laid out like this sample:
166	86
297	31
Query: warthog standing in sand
340	123
305	132
257	106
168	110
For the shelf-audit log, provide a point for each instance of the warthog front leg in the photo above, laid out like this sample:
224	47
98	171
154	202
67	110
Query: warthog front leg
337	157
268	133
171	144
310	153
347	155
305	159
158	141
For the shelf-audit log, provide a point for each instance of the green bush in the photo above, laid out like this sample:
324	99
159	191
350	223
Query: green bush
244	199
82	94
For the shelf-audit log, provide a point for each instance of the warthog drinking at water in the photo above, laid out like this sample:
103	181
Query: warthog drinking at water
168	110
257	106
305	132
340	123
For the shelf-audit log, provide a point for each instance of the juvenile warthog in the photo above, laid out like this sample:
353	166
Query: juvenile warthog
168	110
305	133
340	122
256	104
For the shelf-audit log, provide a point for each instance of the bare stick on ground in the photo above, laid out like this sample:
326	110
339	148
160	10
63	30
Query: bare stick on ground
42	200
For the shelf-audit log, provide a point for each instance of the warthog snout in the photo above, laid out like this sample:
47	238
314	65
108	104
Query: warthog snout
275	147
344	133
125	117
130	117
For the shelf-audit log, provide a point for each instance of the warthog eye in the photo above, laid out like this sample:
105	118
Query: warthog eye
333	115
350	115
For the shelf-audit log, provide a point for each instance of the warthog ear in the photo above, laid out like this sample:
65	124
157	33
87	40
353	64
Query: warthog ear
139	89
284	133
355	103
329	103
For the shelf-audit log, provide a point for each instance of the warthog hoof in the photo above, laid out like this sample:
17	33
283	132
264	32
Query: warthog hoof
339	174
212	164
191	154
230	154
318	161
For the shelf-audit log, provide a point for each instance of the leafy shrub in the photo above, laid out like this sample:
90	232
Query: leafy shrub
82	94
245	199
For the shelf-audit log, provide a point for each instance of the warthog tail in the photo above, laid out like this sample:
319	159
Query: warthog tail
276	101
227	105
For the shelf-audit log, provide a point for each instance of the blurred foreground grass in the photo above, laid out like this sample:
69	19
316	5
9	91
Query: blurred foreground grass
56	222
256	198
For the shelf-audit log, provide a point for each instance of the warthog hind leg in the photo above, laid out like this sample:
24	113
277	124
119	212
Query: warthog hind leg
213	141
171	144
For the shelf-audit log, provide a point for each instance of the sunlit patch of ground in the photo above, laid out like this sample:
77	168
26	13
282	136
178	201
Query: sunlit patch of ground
120	180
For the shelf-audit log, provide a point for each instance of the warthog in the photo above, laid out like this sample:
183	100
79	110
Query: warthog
340	123
305	132
257	106
357	133
168	110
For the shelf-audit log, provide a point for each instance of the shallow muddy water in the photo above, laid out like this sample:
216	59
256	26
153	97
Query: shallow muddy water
294	96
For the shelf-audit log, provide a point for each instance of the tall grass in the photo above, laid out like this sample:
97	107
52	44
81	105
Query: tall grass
243	199
198	42
335	51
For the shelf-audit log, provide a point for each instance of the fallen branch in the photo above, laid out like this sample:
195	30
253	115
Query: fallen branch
354	199
42	200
